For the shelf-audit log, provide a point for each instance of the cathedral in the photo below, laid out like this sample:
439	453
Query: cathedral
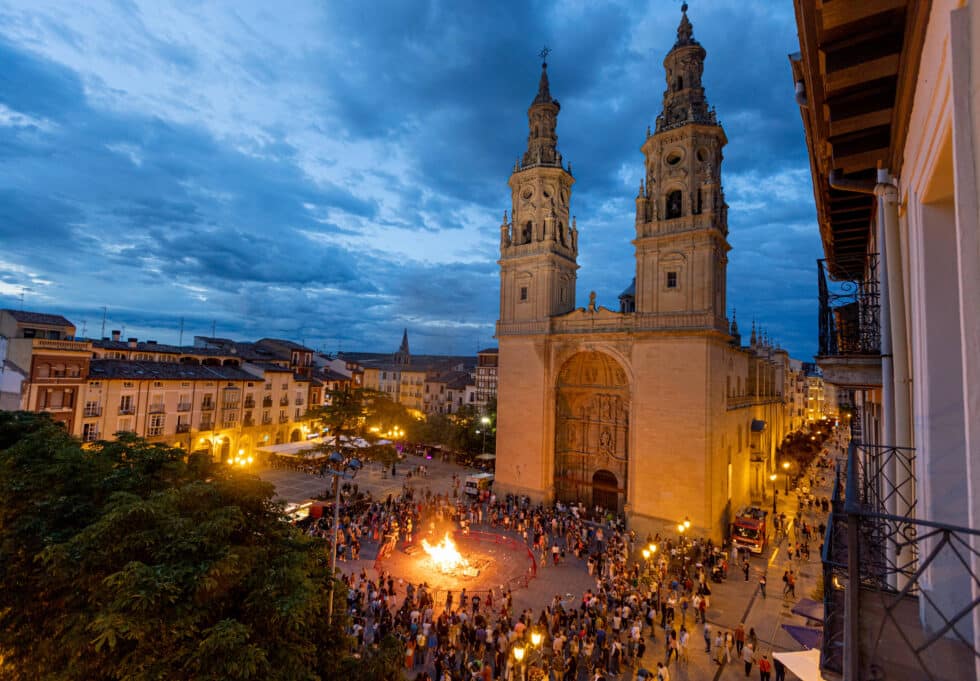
654	410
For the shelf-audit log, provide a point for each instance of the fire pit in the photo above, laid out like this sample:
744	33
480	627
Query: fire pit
447	559
476	561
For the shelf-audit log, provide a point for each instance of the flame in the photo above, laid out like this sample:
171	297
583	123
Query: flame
444	555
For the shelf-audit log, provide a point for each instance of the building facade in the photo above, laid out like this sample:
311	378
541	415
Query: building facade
654	410
889	96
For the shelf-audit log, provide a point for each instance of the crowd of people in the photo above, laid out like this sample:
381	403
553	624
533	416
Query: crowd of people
638	621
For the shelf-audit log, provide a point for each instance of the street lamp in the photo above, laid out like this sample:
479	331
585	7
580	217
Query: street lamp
340	468
786	474
486	422
775	492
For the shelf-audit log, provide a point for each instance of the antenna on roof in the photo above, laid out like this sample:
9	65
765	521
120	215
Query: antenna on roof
84	327
105	311
181	341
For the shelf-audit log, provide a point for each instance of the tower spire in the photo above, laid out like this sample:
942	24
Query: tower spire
403	356
685	31
542	116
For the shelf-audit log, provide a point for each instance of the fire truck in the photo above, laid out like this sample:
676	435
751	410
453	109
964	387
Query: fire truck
749	529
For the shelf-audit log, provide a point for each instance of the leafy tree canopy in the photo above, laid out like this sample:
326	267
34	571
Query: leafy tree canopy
127	560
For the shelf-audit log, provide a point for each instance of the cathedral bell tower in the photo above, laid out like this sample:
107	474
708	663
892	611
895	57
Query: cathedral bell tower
681	215
539	244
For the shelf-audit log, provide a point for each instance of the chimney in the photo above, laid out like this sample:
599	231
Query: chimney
116	333
132	342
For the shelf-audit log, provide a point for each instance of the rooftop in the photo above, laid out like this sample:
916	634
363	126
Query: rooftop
119	368
27	317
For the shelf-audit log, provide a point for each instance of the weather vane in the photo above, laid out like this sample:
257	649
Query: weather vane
545	51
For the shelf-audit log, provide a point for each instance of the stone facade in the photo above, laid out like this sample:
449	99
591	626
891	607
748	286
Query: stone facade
654	410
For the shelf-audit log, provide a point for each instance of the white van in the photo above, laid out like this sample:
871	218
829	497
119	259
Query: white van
474	484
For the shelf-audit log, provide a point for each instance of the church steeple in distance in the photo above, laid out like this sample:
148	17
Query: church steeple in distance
403	356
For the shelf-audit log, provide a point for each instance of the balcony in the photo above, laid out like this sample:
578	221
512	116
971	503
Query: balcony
126	410
248	420
157	408
266	420
266	402
900	592
283	401
298	401
184	427
849	351
92	412
206	424
184	406
249	403
207	406
283	419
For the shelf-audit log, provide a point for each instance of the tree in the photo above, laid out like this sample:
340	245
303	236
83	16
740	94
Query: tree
129	560
360	414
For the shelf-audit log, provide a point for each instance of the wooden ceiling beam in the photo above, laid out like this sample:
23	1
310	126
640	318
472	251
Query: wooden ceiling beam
871	119
837	14
862	161
852	76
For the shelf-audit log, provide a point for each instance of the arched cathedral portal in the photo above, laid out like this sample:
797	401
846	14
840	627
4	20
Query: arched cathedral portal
592	431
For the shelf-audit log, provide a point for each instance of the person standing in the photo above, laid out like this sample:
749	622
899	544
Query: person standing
762	585
745	569
707	638
748	657
739	638
780	669
765	667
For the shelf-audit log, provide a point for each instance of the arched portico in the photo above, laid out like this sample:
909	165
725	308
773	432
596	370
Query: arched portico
592	431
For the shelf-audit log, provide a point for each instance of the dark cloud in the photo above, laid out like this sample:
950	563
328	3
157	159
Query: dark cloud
234	218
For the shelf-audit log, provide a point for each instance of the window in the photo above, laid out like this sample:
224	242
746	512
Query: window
94	384
90	432
128	384
674	204
523	292
268	386
125	425
126	404
156	424
561	295
672	280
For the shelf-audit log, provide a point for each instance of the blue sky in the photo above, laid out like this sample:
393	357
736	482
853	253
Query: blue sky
335	171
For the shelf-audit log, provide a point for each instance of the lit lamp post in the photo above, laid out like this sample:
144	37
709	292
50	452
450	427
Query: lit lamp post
486	424
341	469
786	475
775	492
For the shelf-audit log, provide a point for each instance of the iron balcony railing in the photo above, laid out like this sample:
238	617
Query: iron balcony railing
849	312
899	591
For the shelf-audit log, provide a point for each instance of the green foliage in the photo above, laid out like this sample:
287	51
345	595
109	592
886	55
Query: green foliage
364	414
123	560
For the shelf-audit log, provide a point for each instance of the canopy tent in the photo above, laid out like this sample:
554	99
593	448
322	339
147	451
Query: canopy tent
486	457
296	450
805	636
316	448
809	608
805	664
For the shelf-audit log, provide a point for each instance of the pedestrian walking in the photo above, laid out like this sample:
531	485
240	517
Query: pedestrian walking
707	638
745	569
762	585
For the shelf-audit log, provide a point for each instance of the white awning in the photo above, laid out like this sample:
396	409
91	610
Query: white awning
306	448
805	664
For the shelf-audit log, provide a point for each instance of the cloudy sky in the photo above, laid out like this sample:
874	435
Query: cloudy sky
335	171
